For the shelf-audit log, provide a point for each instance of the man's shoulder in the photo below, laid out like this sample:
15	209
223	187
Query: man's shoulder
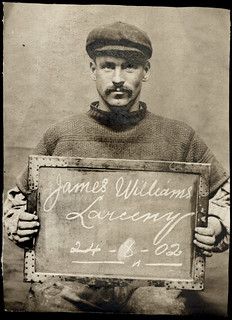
68	125
168	125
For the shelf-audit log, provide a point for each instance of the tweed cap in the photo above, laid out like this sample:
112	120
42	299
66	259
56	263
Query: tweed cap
118	37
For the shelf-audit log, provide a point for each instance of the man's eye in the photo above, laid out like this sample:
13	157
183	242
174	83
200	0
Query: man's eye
130	67
107	67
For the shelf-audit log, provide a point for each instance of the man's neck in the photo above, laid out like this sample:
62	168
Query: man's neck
105	107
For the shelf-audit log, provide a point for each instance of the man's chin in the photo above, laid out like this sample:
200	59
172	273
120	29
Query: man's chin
119	103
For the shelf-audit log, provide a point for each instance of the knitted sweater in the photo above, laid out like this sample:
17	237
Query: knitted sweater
139	135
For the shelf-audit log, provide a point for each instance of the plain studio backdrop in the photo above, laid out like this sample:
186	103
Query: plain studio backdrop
47	78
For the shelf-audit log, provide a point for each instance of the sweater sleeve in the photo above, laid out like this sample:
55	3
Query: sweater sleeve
219	204
45	147
199	152
16	198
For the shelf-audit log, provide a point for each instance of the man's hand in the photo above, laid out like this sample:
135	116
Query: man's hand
205	238
28	226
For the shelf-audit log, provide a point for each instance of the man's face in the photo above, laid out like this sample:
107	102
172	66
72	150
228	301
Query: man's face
118	80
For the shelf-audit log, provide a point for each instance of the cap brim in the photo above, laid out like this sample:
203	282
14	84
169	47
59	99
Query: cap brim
118	48
127	53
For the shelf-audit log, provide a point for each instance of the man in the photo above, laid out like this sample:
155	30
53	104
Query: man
119	125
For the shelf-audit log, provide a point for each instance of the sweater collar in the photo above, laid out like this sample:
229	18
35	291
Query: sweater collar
118	119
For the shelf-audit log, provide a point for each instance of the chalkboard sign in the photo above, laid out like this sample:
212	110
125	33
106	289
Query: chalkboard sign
109	222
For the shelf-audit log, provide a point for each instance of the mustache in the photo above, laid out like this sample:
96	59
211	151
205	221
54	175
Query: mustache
122	89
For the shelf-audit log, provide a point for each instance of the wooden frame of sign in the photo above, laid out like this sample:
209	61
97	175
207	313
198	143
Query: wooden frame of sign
113	221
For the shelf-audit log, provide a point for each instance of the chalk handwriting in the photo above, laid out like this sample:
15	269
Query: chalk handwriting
136	263
128	189
171	219
164	264
92	249
99	262
177	252
171	223
123	189
127	249
96	187
95	211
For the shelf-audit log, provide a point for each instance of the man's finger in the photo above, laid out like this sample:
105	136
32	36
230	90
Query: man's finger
205	239
202	245
21	239
207	253
26	232
28	224
205	231
26	216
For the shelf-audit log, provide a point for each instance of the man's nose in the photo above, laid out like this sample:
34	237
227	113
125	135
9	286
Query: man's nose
118	78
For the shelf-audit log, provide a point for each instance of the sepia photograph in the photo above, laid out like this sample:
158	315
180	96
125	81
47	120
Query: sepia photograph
116	159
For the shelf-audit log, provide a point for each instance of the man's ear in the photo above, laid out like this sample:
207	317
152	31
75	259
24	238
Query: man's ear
93	69
147	71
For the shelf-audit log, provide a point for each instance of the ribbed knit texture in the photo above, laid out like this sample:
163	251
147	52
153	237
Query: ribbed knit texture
146	137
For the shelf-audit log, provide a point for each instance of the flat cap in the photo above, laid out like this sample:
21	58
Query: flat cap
118	37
